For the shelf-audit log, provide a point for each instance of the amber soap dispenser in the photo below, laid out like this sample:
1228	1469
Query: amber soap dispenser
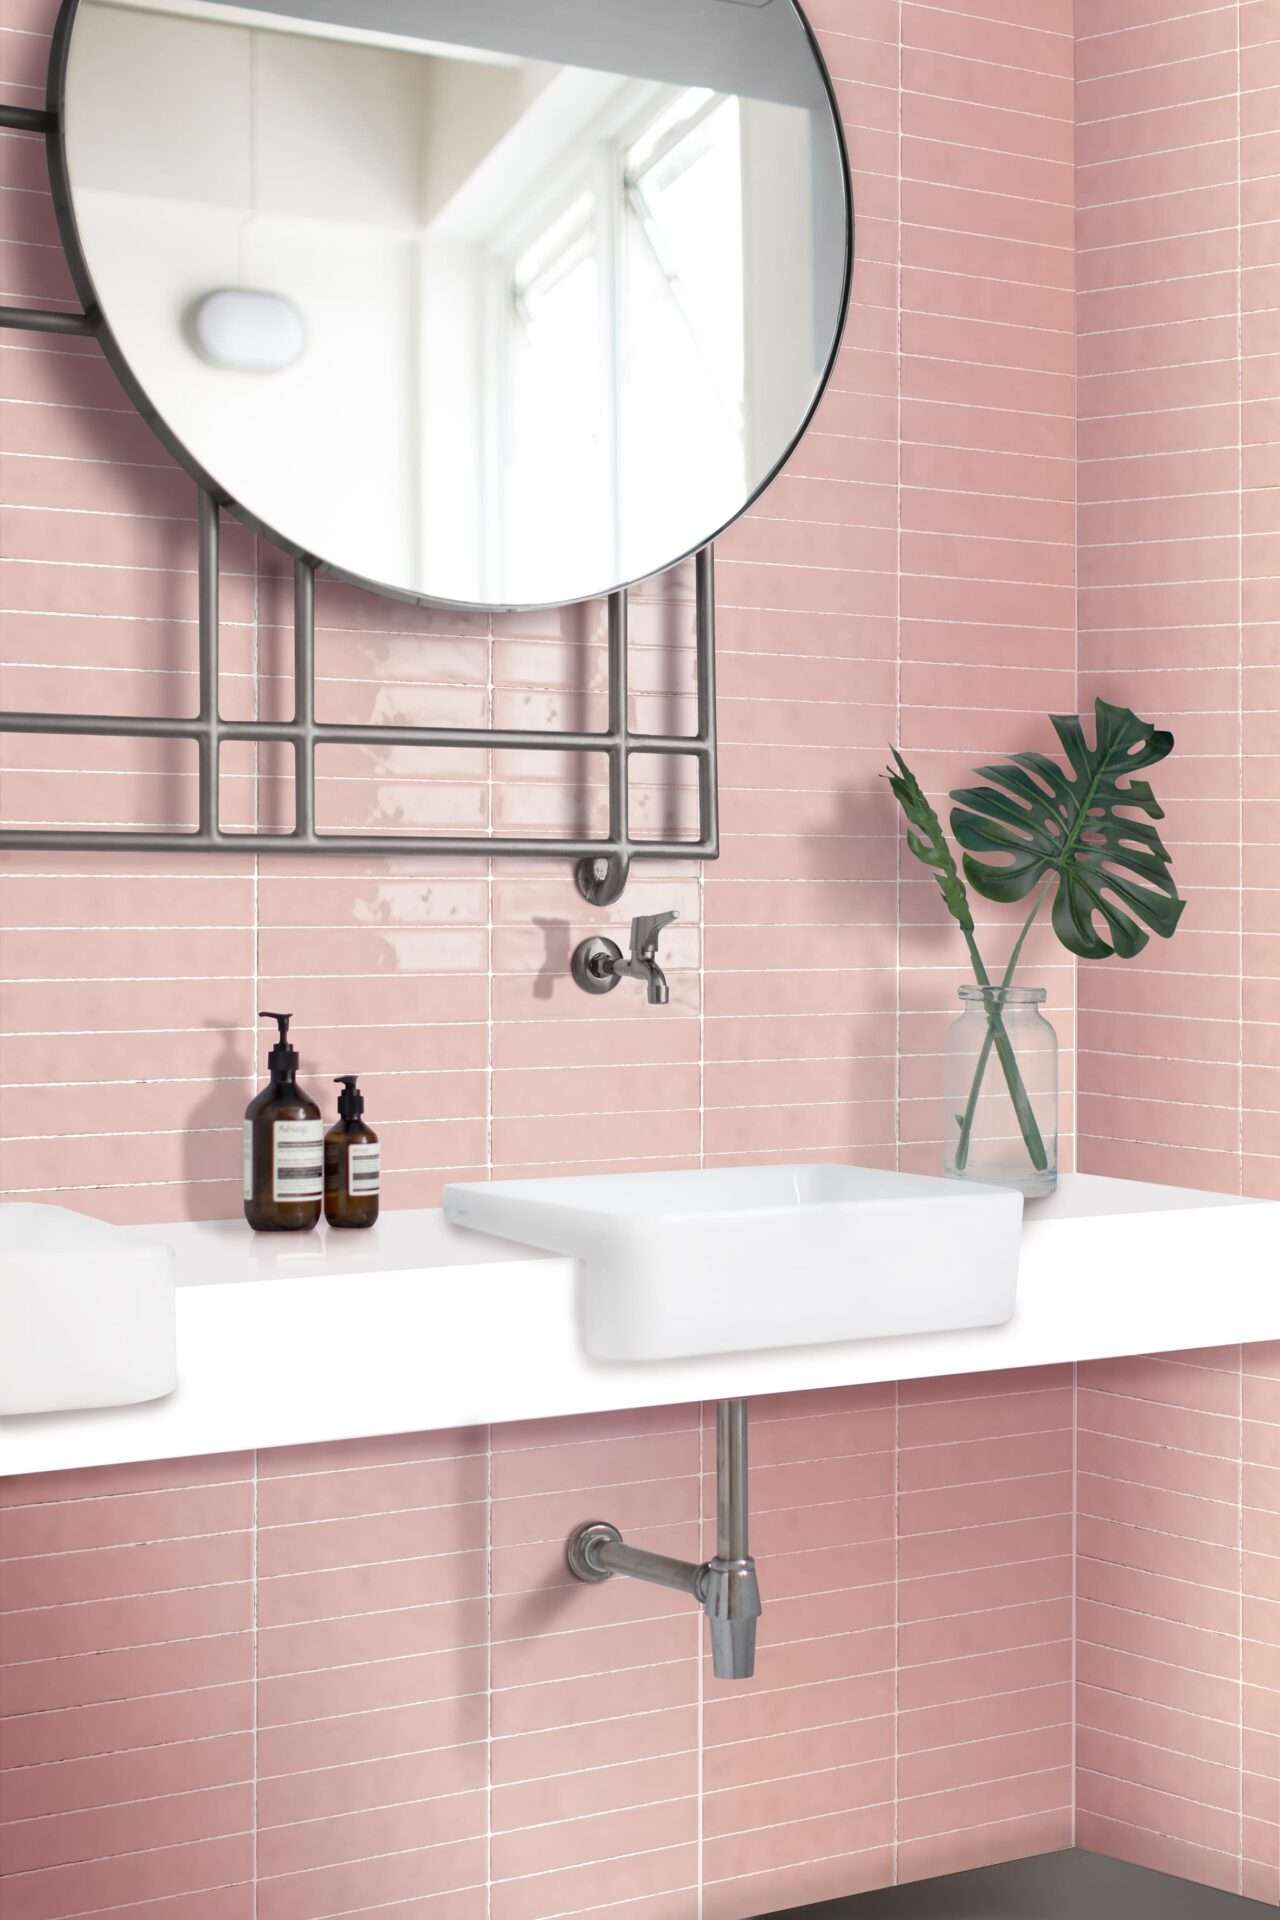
283	1147
352	1163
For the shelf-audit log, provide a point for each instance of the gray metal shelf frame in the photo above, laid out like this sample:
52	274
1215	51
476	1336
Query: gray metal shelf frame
603	864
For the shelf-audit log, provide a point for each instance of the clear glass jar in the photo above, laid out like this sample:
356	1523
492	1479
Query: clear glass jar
1001	1082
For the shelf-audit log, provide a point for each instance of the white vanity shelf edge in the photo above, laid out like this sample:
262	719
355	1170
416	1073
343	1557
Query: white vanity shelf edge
417	1325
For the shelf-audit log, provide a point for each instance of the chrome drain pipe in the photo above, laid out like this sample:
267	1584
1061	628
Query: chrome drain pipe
726	1588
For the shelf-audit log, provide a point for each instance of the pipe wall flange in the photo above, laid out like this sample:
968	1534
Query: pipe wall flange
593	964
582	1541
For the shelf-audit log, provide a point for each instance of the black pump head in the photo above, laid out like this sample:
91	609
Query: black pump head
282	1059
350	1100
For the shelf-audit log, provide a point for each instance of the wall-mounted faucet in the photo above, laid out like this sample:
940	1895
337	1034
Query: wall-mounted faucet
598	965
725	1587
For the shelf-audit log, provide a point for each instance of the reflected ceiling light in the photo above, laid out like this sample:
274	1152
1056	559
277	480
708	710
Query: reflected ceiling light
248	332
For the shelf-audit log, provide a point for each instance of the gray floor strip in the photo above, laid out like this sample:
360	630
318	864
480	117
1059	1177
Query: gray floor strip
1055	1886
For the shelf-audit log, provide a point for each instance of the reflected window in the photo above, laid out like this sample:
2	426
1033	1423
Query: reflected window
682	378
626	338
555	427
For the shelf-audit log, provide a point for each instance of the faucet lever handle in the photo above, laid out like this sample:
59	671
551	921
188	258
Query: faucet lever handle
645	929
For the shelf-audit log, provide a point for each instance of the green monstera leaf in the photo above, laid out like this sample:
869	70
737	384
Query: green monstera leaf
1036	820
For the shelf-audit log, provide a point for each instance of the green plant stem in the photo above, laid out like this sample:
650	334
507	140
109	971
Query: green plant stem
997	1036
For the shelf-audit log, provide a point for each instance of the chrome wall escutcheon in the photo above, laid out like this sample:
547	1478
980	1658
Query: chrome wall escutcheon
594	965
583	1546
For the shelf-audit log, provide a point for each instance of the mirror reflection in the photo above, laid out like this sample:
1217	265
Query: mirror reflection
503	304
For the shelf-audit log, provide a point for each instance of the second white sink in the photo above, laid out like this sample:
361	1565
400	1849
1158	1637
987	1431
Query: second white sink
87	1315
736	1258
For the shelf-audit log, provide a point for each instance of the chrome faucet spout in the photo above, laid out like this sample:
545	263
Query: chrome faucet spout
646	970
598	965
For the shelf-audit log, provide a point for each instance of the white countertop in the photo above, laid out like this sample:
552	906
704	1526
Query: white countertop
416	1325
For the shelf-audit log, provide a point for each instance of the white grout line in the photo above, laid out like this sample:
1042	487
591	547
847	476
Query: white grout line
1153	26
1241	1050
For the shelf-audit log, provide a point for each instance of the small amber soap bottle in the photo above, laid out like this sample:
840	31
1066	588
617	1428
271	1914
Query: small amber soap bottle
352	1163
283	1147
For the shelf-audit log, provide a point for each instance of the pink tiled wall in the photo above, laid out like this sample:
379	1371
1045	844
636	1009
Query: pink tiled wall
355	1679
1179	478
1178	1655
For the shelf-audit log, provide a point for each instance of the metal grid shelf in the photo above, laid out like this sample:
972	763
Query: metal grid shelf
603	864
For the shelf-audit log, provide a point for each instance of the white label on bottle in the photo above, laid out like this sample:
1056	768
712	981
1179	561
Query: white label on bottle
298	1160
364	1168
248	1159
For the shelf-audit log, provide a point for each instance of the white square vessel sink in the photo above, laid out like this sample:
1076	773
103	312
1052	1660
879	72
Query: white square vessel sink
87	1313
739	1258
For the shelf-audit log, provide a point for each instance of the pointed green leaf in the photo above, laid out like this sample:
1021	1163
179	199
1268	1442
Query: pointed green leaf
927	841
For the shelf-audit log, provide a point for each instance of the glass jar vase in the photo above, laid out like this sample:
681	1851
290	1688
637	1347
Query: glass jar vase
1001	1084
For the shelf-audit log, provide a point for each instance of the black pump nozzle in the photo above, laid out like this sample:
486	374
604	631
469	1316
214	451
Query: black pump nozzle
350	1100
282	1059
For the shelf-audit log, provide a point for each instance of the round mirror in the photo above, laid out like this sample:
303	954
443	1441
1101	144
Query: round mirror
497	303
